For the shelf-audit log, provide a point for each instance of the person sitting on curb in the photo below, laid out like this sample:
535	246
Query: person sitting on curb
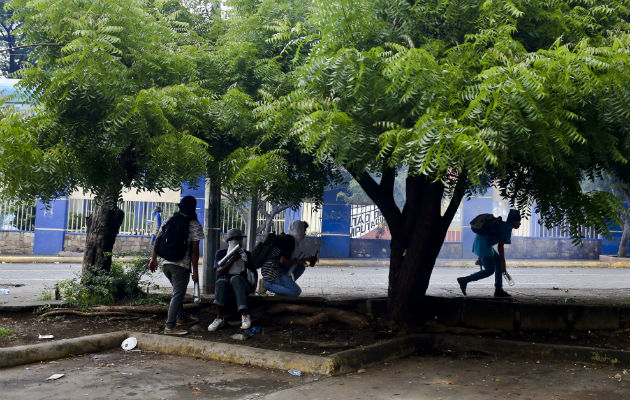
179	272
232	280
281	269
491	262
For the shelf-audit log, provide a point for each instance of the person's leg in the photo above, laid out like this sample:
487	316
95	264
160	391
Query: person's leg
498	274
222	290
298	271
240	288
498	278
179	278
487	269
284	286
221	287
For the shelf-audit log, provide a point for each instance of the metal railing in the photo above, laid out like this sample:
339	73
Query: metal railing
313	217
138	219
15	216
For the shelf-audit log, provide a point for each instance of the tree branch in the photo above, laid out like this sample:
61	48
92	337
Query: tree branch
456	199
382	196
32	45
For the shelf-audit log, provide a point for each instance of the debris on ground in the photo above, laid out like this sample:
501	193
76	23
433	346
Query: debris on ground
54	377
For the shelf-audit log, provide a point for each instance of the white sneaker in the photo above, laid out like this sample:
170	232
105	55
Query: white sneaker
216	324
246	321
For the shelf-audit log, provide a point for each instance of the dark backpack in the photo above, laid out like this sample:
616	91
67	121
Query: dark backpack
485	224
172	244
262	249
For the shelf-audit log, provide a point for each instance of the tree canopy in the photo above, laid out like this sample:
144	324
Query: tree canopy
529	95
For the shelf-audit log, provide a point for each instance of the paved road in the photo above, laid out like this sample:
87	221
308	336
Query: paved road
338	282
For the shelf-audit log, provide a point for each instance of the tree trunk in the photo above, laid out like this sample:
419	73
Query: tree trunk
102	227
415	248
625	237
418	233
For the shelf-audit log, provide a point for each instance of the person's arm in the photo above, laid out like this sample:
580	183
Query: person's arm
194	260
501	249
226	267
153	264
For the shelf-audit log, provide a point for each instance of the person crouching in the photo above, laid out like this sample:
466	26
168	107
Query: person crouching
233	282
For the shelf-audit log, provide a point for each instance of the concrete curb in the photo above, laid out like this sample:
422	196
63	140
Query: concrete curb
19	355
339	363
353	359
233	353
460	343
360	262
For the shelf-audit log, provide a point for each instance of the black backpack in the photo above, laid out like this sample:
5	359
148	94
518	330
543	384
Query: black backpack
172	244
262	249
485	224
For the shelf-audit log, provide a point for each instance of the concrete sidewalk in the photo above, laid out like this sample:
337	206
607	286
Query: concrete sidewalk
606	262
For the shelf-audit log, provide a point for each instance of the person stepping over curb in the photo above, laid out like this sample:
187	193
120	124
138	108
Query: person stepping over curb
491	231
236	279
177	243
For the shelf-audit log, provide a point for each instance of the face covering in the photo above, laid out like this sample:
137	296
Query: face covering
239	265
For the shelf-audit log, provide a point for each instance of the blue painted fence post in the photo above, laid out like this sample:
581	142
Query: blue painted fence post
50	227
335	241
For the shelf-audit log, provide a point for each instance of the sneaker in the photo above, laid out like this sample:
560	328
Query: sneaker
501	293
216	324
246	321
175	331
462	285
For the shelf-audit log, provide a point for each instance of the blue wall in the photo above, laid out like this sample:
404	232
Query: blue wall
335	240
50	226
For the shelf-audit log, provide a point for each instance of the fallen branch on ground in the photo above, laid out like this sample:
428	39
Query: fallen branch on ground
116	310
67	311
319	315
144	309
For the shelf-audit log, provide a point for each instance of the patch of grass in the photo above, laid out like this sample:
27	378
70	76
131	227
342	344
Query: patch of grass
123	281
46	295
7	333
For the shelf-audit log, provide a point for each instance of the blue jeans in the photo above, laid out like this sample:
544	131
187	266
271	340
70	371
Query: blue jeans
179	278
284	285
226	290
490	265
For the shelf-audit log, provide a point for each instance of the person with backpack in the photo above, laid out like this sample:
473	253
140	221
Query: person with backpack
491	231
236	279
177	244
278	273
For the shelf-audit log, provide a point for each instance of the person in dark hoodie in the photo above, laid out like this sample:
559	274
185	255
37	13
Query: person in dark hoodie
493	262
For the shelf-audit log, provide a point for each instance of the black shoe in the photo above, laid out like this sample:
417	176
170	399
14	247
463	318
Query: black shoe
462	285
501	293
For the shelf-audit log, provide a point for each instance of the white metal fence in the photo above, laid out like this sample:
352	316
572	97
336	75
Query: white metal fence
139	218
15	216
313	217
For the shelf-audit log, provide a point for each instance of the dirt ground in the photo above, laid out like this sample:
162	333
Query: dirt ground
320	340
138	374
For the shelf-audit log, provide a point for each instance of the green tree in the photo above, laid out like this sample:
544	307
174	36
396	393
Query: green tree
11	60
527	95
116	104
243	63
